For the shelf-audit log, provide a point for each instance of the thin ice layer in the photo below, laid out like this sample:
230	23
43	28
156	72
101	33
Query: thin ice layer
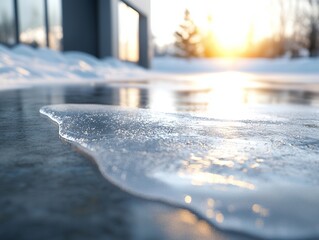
256	172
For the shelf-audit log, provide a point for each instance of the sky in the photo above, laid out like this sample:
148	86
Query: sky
232	19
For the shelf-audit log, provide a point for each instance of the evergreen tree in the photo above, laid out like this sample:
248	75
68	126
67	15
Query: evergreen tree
188	38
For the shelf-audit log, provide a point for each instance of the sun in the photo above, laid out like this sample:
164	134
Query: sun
231	24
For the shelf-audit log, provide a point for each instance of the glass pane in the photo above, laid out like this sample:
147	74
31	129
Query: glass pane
55	24
7	24
32	22
128	33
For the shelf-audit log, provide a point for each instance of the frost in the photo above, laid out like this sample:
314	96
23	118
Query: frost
256	173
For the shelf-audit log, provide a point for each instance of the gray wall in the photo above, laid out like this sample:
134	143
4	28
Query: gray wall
108	28
91	26
144	9
80	26
142	6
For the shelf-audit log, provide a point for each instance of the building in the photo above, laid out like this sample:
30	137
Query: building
117	28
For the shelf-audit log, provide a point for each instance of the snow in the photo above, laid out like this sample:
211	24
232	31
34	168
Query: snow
25	66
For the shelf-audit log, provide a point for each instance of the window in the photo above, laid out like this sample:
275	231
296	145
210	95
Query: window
55	24
7	22
128	33
32	22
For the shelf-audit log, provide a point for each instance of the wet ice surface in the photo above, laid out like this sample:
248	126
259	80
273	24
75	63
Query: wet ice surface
255	172
50	192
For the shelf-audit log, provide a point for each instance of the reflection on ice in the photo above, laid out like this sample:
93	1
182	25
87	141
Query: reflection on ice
255	173
182	224
203	178
227	93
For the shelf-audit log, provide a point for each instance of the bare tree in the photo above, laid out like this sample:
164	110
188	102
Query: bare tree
296	27
280	36
299	20
313	28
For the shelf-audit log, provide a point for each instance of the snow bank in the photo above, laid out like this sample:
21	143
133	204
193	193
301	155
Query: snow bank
23	65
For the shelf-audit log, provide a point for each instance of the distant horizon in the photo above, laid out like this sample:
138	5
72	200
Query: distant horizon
173	13
236	26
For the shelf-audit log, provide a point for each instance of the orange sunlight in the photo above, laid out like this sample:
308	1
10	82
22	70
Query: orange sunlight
233	25
230	25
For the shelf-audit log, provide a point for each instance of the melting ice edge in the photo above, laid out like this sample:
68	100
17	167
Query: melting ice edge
256	173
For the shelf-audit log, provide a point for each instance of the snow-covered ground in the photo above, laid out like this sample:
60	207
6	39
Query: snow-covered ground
25	66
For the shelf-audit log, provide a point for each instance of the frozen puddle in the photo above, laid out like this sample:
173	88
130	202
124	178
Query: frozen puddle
256	173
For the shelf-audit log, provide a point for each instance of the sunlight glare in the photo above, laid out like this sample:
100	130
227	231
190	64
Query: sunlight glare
233	25
230	25
228	94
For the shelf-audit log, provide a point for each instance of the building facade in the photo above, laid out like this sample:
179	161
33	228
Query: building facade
117	28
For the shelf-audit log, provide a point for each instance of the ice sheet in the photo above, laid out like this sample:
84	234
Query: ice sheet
253	173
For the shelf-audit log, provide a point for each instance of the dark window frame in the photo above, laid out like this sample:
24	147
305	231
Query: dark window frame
16	18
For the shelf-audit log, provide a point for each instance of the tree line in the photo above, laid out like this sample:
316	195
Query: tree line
295	31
